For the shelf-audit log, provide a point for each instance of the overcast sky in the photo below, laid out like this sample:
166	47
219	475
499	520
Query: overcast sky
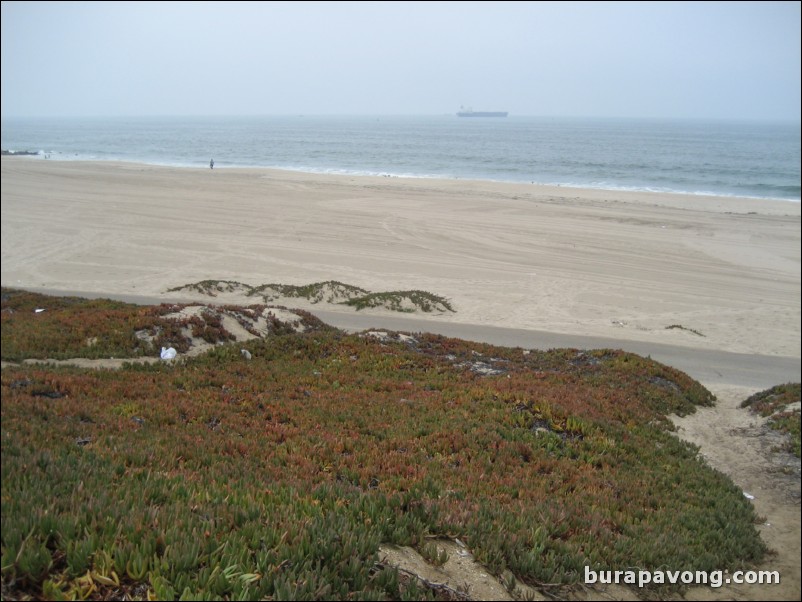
598	59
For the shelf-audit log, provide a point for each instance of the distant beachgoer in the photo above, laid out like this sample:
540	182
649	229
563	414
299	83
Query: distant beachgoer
211	164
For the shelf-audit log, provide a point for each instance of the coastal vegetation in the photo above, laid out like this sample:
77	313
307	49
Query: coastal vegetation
681	327
330	291
279	473
781	404
403	301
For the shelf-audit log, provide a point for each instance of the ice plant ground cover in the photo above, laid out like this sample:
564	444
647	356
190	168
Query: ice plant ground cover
278	473
781	405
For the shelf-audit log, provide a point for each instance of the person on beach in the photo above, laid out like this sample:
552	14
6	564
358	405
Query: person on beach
211	164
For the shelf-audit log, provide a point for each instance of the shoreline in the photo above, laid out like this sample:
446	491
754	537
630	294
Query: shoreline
702	201
717	273
37	155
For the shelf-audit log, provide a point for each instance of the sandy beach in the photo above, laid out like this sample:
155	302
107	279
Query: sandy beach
724	272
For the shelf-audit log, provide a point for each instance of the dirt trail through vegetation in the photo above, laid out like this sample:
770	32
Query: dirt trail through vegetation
739	444
733	441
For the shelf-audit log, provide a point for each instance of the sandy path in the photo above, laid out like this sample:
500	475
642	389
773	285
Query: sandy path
737	442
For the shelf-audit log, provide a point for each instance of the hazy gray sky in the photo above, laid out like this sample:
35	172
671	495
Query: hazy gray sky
617	59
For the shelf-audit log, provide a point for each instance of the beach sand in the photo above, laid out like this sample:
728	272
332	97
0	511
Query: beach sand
623	265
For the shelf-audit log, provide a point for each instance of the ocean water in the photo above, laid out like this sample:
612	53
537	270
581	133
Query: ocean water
749	159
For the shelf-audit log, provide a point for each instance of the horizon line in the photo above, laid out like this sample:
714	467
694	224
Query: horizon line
390	115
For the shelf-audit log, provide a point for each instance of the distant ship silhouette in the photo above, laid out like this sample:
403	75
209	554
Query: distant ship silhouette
469	112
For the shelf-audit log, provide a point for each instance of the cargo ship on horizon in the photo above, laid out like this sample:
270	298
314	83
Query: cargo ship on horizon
469	112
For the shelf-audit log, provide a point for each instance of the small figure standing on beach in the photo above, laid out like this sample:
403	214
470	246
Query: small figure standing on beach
211	164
